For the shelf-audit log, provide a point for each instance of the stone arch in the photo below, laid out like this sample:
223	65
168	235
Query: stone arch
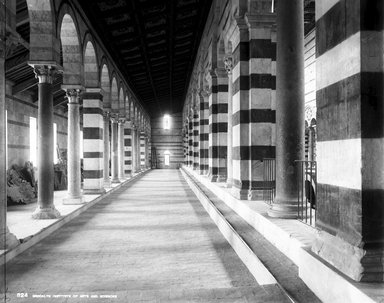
114	95
43	40
105	84
91	69
71	47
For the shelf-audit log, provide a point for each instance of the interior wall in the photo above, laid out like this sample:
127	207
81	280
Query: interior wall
168	140
19	109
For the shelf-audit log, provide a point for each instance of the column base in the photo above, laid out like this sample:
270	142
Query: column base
107	184
221	178
229	183
255	194
212	178
46	213
8	240
283	210
240	194
73	200
96	191
115	181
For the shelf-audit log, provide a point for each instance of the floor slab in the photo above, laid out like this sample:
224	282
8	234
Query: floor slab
149	241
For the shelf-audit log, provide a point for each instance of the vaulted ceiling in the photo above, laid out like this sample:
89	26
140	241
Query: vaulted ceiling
154	43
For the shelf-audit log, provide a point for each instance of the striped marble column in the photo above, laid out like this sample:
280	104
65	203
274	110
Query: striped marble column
128	149
142	151
240	111
93	141
195	139
228	63
262	96
203	133
185	138
350	143
190	142
218	126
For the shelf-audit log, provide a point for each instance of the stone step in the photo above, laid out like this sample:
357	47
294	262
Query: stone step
279	266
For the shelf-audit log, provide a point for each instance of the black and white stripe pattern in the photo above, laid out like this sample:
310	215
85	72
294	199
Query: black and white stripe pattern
128	149
350	128
190	142
93	144
203	133
142	150
240	128
196	140
261	115
218	126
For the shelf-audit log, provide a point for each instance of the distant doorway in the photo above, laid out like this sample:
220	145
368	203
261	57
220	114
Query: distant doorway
167	156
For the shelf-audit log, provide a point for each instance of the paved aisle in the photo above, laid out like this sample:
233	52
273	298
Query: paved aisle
151	241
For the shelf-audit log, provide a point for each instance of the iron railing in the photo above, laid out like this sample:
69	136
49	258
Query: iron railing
269	179
307	191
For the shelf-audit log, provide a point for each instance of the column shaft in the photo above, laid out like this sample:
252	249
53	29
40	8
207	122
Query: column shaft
134	150
45	147
228	67
115	152
73	149
289	95
7	240
107	152
121	149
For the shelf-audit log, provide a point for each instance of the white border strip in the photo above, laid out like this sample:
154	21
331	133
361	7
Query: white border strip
245	253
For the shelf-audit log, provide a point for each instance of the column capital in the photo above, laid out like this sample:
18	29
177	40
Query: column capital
228	63
114	118
262	19
46	72
72	92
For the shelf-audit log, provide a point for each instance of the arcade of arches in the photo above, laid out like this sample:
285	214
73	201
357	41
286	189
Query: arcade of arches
275	108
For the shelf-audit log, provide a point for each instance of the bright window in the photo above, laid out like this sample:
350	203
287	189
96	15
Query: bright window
167	122
167	156
33	140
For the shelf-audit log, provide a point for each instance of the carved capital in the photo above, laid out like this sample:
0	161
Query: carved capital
46	72
107	115
228	63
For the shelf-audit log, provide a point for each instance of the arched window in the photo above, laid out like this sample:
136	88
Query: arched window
167	122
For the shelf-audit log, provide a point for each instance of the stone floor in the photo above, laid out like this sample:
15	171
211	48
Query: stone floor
149	241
